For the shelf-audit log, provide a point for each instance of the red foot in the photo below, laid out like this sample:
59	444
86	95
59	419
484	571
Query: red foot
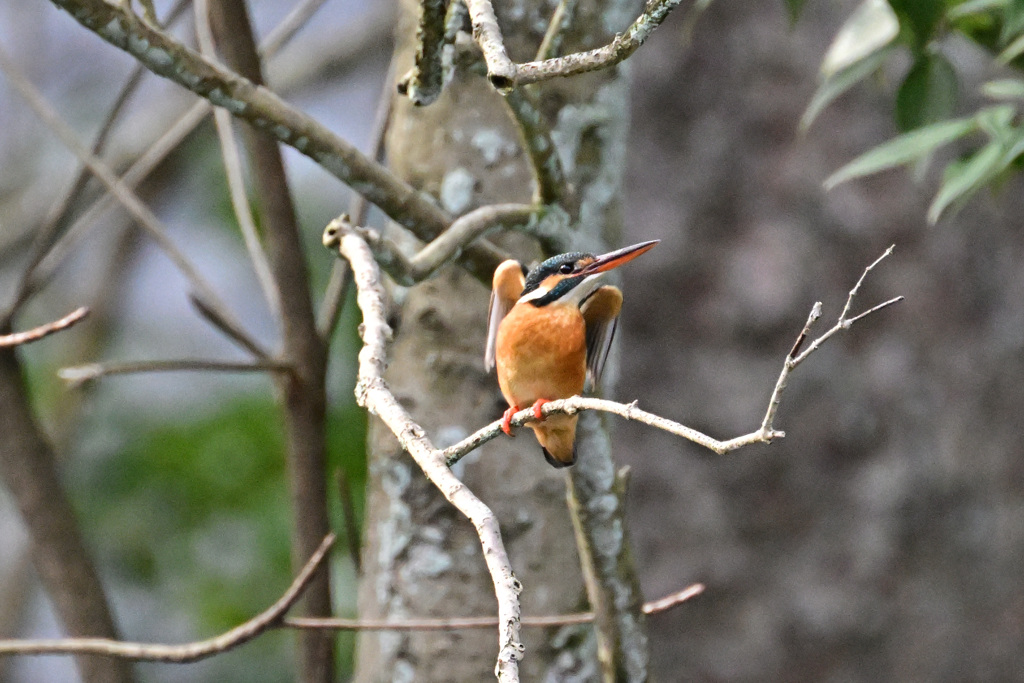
538	406
506	419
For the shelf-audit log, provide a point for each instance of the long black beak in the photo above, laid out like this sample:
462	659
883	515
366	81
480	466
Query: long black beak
614	259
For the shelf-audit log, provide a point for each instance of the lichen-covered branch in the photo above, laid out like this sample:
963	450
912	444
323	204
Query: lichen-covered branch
623	45
373	394
766	433
425	80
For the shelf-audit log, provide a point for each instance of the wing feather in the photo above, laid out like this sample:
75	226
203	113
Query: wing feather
508	284
601	314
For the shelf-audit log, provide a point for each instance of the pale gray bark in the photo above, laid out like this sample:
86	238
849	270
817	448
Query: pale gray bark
421	558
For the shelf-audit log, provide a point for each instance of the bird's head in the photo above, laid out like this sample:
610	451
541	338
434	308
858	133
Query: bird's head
570	278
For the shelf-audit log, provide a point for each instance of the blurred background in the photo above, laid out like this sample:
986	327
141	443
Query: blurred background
882	539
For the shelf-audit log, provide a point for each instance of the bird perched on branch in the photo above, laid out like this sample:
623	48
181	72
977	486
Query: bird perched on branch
548	333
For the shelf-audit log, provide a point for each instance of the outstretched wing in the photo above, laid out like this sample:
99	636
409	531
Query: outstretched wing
509	281
601	313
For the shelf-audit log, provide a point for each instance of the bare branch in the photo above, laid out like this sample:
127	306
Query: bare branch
78	375
373	394
548	174
653	607
158	151
501	71
191	652
37	333
551	44
229	328
624	45
267	111
447	246
764	434
425	80
235	176
505	75
147	219
337	285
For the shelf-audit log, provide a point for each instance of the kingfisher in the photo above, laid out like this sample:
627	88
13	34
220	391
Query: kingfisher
548	332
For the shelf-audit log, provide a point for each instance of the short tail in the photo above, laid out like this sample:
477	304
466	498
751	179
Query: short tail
557	437
555	462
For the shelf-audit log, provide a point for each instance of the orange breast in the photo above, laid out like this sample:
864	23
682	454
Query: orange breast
541	353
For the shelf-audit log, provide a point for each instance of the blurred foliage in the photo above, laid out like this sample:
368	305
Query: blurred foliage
927	98
197	512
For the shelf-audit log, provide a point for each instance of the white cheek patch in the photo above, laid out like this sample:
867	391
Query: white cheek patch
534	295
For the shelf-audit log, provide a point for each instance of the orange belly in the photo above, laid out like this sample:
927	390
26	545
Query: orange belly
541	353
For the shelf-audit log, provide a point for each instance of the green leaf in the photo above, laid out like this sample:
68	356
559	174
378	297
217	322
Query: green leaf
903	149
996	121
1013	20
836	85
928	93
872	26
1004	89
963	180
966	9
1012	51
919	18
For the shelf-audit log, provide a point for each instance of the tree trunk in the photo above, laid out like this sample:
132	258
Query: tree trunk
58	553
421	557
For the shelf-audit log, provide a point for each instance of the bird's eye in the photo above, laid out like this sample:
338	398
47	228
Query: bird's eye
565	268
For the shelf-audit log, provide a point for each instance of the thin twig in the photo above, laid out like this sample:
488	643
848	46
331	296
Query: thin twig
158	151
561	18
267	111
77	375
228	328
338	283
37	333
335	624
190	652
232	157
49	231
373	394
447	246
147	219
764	434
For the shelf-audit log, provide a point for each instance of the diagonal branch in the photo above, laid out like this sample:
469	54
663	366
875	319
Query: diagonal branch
190	652
447	246
37	333
142	213
373	394
766	433
266	111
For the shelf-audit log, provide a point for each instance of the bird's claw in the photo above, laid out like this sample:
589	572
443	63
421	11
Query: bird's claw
538	407
506	419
